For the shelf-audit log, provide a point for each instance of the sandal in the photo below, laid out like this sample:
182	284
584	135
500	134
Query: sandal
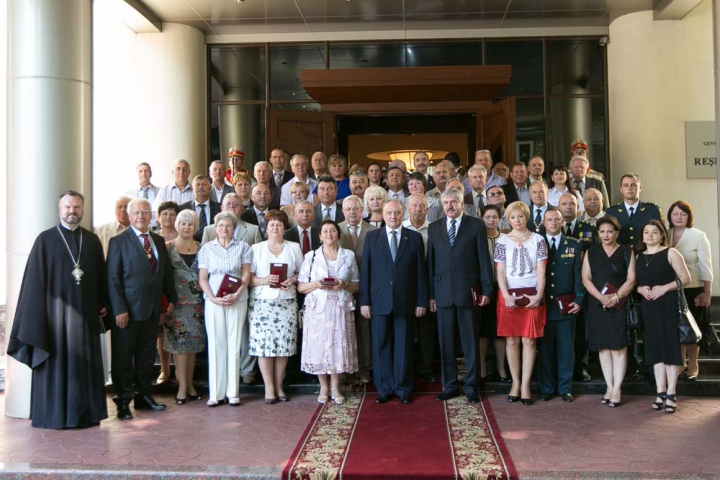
337	396
669	409
659	405
323	397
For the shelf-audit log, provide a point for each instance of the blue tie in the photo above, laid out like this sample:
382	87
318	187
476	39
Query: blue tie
393	245
451	232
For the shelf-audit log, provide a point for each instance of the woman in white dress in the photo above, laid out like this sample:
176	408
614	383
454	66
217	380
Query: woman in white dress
329	343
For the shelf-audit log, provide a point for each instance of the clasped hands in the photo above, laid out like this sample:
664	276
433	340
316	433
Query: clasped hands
652	293
535	300
274	279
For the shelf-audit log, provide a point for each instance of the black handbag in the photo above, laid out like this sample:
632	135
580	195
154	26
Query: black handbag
633	318
687	326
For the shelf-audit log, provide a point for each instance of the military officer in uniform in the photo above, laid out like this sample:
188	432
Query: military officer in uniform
563	277
632	213
580	149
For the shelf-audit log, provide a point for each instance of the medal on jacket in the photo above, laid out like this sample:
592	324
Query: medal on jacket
77	272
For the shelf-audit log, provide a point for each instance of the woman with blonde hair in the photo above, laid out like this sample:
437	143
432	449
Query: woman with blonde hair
374	199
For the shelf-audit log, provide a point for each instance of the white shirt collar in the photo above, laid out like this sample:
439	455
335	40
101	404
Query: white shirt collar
457	221
388	229
634	207
557	238
408	224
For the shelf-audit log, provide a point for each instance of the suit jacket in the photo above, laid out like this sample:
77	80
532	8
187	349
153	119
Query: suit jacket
631	229
540	228
346	241
585	233
454	270
249	216
214	210
276	194
599	184
226	189
430	183
292	235
393	287
469	200
437	212
134	288
563	276
105	232
244	231
510	193
694	246
287	176
339	216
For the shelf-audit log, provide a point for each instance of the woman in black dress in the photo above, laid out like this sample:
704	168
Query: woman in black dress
609	264
657	268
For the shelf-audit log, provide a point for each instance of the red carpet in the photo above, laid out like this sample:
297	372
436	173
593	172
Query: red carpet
425	440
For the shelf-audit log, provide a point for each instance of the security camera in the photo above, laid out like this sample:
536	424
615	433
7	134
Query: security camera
604	40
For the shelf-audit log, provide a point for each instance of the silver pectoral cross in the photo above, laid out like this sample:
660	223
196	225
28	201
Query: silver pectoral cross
77	273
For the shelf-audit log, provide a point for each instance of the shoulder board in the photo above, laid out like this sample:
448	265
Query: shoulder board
572	241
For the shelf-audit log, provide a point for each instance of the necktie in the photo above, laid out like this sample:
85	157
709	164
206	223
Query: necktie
632	211
451	232
478	201
351	231
395	197
538	217
553	248
203	217
144	192
326	215
149	252
393	244
305	242
578	186
278	179
568	229
261	225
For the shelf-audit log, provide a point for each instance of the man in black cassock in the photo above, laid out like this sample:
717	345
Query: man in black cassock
56	331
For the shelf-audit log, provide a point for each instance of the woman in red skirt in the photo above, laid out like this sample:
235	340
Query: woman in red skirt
520	257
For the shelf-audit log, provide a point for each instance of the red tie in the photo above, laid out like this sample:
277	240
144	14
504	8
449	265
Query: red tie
306	242
149	252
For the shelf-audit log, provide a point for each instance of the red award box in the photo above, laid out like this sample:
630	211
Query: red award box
279	269
518	293
329	281
564	302
609	289
228	286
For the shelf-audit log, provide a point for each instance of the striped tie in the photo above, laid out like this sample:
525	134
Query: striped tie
452	231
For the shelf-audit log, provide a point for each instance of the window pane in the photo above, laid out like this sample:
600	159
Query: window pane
307	107
443	54
575	67
237	73
579	118
529	129
526	61
367	55
286	62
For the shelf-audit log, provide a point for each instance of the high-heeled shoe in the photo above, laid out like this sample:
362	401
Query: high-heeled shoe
605	401
669	409
197	396
659	405
234	402
283	398
337	396
527	401
270	401
612	404
513	398
323	396
180	401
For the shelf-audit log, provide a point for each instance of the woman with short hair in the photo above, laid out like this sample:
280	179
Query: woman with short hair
374	199
299	191
243	189
560	185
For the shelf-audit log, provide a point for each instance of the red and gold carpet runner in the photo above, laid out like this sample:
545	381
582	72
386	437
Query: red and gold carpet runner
425	440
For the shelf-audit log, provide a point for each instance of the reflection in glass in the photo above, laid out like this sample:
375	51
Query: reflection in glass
443	54
286	62
307	107
237	68
367	55
530	129
526	61
575	67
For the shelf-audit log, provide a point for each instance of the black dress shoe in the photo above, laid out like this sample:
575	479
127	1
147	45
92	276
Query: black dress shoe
148	402
447	395
526	401
567	397
544	397
405	399
473	397
513	398
123	412
382	399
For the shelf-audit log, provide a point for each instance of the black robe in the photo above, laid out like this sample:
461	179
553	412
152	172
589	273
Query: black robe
56	330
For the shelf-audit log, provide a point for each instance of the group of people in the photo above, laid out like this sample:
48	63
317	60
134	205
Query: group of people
359	273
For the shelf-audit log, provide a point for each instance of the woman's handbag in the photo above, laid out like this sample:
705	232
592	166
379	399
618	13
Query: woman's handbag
633	318
688	327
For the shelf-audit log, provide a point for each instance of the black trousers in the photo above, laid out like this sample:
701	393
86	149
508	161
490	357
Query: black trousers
468	322
581	345
426	328
392	347
557	357
133	357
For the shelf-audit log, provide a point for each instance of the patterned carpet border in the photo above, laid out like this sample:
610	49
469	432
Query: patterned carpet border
478	450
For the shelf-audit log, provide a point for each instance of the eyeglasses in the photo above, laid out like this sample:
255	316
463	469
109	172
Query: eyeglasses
492	195
143	213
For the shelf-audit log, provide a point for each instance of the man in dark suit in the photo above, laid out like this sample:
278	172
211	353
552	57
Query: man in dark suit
201	204
477	176
536	168
580	168
139	274
354	231
563	277
395	184
220	187
256	214
458	261
632	213
263	175
328	207
304	233
587	235
538	207
280	176
421	162
393	292
517	189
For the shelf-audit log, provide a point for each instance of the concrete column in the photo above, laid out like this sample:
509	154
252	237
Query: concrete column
49	137
716	70
239	125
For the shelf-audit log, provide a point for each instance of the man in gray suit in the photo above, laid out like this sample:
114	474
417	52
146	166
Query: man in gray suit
353	231
580	167
249	234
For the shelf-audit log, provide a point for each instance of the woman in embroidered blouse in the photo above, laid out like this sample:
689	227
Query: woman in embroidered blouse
329	344
273	311
694	246
520	257
224	316
184	327
561	185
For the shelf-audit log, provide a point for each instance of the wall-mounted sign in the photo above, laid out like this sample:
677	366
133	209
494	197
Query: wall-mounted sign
700	152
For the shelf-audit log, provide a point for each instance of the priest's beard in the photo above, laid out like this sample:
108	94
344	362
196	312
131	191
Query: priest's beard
72	220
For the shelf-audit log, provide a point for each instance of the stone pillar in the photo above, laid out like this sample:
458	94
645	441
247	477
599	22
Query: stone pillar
716	59
239	126
49	138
